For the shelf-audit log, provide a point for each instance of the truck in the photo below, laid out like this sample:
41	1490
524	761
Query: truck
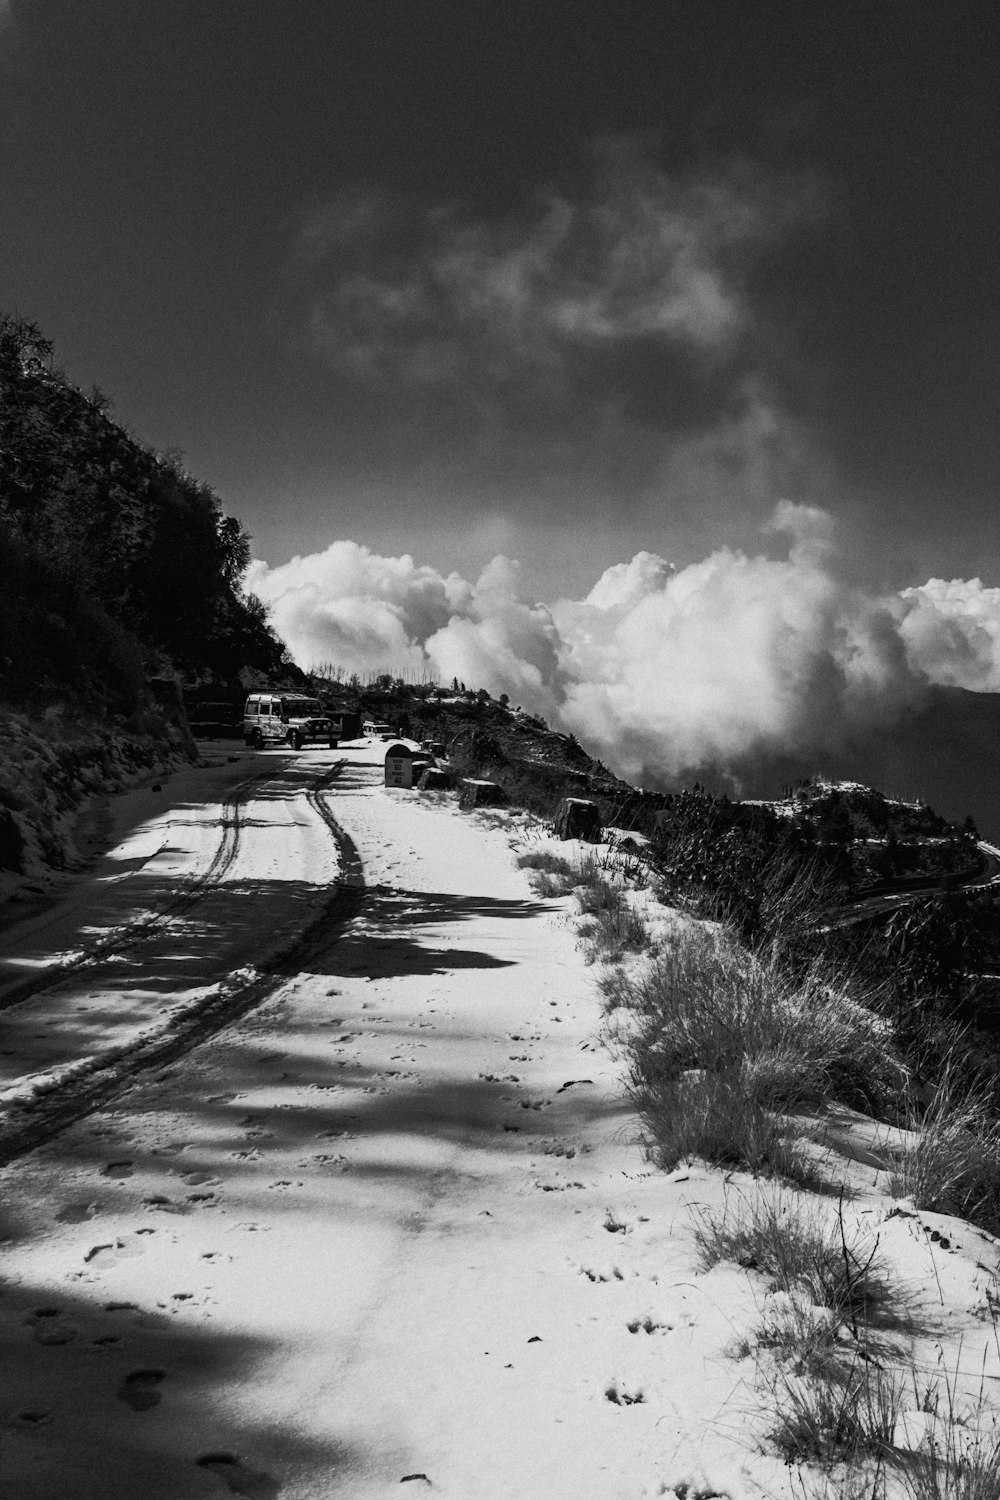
292	719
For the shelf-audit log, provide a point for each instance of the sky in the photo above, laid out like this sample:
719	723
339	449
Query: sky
607	291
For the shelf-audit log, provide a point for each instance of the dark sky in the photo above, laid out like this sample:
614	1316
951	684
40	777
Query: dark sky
564	280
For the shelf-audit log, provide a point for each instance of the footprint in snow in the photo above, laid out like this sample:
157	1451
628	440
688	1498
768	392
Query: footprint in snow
48	1326
118	1169
101	1257
252	1484
76	1213
648	1325
141	1389
195	1179
621	1397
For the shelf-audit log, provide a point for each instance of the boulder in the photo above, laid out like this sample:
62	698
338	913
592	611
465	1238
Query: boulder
476	793
576	818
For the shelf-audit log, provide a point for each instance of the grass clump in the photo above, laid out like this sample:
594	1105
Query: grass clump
954	1165
550	874
710	1116
615	931
613	928
596	894
842	1417
805	1251
717	1039
958	1464
835	1400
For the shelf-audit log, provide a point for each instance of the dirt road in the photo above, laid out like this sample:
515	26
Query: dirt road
389	1226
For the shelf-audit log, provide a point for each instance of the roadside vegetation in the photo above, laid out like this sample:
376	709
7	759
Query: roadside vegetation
739	1022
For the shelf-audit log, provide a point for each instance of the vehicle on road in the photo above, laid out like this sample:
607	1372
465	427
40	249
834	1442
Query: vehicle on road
292	719
375	729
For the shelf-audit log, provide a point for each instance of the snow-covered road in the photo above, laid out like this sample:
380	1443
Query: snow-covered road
172	931
392	1226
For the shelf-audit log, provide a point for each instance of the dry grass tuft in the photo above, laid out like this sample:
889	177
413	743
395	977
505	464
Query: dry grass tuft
716	1041
954	1165
802	1246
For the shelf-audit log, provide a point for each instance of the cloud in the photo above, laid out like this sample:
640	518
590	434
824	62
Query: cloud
350	606
661	671
636	256
604	337
951	633
502	643
728	658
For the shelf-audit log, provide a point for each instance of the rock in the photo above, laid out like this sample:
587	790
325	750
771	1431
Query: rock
576	818
434	779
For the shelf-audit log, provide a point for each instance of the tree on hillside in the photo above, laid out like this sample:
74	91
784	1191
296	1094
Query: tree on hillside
109	548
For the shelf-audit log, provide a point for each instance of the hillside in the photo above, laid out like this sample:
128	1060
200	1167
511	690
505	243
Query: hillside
119	580
116	565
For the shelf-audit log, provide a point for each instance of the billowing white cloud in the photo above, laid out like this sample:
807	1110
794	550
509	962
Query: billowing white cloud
501	643
951	633
730	657
352	607
659	670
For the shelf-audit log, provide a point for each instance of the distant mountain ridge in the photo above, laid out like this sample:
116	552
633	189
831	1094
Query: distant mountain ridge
945	753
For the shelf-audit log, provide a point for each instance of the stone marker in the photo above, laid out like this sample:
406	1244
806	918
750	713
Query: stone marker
576	818
481	794
434	779
404	765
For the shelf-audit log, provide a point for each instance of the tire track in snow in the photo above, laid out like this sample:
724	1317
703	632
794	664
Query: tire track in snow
97	1081
109	945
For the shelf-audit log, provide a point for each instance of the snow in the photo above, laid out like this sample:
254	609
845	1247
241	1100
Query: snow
396	1224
